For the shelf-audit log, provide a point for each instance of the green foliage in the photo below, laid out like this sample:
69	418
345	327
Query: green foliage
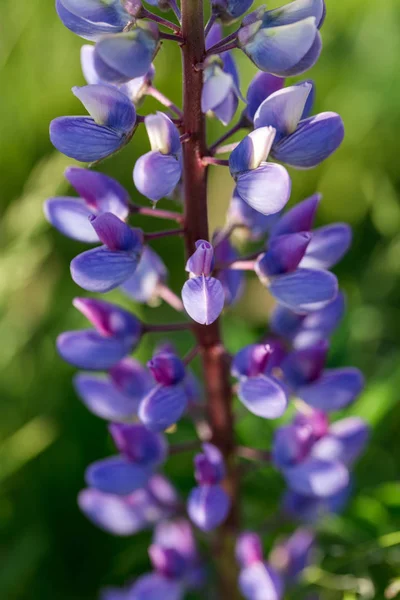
48	549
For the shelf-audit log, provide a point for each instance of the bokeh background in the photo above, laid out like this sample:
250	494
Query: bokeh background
47	548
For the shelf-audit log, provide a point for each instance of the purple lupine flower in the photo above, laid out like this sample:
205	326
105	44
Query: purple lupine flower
261	393
136	89
261	87
202	295
299	142
291	556
167	400
127	515
110	126
157	173
323	389
125	56
92	18
241	213
151	272
284	41
230	10
104	268
208	504
115	397
258	580
306	330
141	451
221	93
231	280
117	332
98	193
264	186
309	509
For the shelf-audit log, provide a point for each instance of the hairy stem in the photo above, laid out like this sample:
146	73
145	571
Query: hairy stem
214	357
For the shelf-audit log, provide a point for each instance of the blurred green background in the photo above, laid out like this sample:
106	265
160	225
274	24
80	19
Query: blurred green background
47	548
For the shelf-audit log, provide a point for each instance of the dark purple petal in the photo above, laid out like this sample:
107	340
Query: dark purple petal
251	360
316	477
260	88
202	260
167	368
208	506
283	255
334	390
266	189
163	407
156	587
304	290
116	234
263	396
132	378
109	319
283	109
100	192
156	175
328	246
293	555
81	138
139	445
203	299
209	466
259	581
104	399
249	549
177	534
167	561
314	140
102	270
345	441
150	272
305	365
116	475
299	218
71	217
87	349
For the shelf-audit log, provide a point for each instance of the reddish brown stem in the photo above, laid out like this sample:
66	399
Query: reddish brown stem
213	354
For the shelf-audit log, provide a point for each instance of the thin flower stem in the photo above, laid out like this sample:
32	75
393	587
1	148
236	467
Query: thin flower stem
148	211
225	233
152	17
243	259
167	327
222	43
166	294
210	160
162	99
191	355
184	447
227	148
209	24
253	454
240	265
172	37
161	234
175	8
222	49
239	125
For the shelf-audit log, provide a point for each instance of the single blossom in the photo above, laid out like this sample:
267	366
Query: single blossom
92	18
257	579
110	126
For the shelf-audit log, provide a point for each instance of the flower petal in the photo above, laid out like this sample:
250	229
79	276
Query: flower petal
163	134
156	175
150	272
266	189
260	88
345	441
102	270
283	109
116	475
299	218
314	140
71	217
284	254
86	28
263	396
251	151
203	299
259	581
108	106
87	349
308	61
81	138
156	586
163	407
296	11
334	390
104	399
139	445
327	247
217	86
304	290
208	506
311	509
132	378
315	477
100	192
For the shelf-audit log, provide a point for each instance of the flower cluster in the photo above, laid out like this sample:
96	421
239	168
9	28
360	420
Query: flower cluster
127	492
